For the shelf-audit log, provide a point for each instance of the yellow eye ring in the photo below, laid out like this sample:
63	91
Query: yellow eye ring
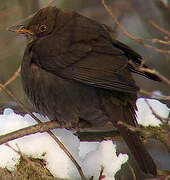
43	28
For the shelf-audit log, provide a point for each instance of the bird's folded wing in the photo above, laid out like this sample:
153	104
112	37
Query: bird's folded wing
98	64
102	70
84	51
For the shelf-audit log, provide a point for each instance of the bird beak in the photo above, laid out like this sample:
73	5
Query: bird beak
20	29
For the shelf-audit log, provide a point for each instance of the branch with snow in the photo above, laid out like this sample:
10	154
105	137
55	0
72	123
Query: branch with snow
41	145
57	162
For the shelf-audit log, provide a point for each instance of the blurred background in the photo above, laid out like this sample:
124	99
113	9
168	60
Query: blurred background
134	15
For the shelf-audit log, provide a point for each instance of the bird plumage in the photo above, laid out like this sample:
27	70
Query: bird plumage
75	69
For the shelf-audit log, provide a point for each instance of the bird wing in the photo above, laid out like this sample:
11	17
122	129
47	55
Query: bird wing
85	54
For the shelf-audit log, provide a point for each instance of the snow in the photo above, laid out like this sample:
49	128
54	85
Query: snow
106	157
91	156
144	113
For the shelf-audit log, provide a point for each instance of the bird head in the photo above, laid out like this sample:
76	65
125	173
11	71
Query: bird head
41	24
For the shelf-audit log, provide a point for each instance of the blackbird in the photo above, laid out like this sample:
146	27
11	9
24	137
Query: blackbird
74	70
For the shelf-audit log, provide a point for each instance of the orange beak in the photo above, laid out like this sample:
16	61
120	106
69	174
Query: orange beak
20	29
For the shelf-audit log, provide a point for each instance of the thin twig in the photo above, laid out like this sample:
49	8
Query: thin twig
155	40
117	22
163	3
50	3
159	28
137	39
132	171
153	71
151	95
6	144
68	154
11	95
101	176
13	77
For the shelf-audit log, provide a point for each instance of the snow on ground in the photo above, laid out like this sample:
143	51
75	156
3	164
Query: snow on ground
90	156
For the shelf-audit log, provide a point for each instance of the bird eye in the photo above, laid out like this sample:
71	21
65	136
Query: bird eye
43	28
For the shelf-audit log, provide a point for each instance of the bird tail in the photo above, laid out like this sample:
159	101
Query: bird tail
118	112
137	148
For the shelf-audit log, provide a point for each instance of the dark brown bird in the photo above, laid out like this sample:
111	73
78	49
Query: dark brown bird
73	69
